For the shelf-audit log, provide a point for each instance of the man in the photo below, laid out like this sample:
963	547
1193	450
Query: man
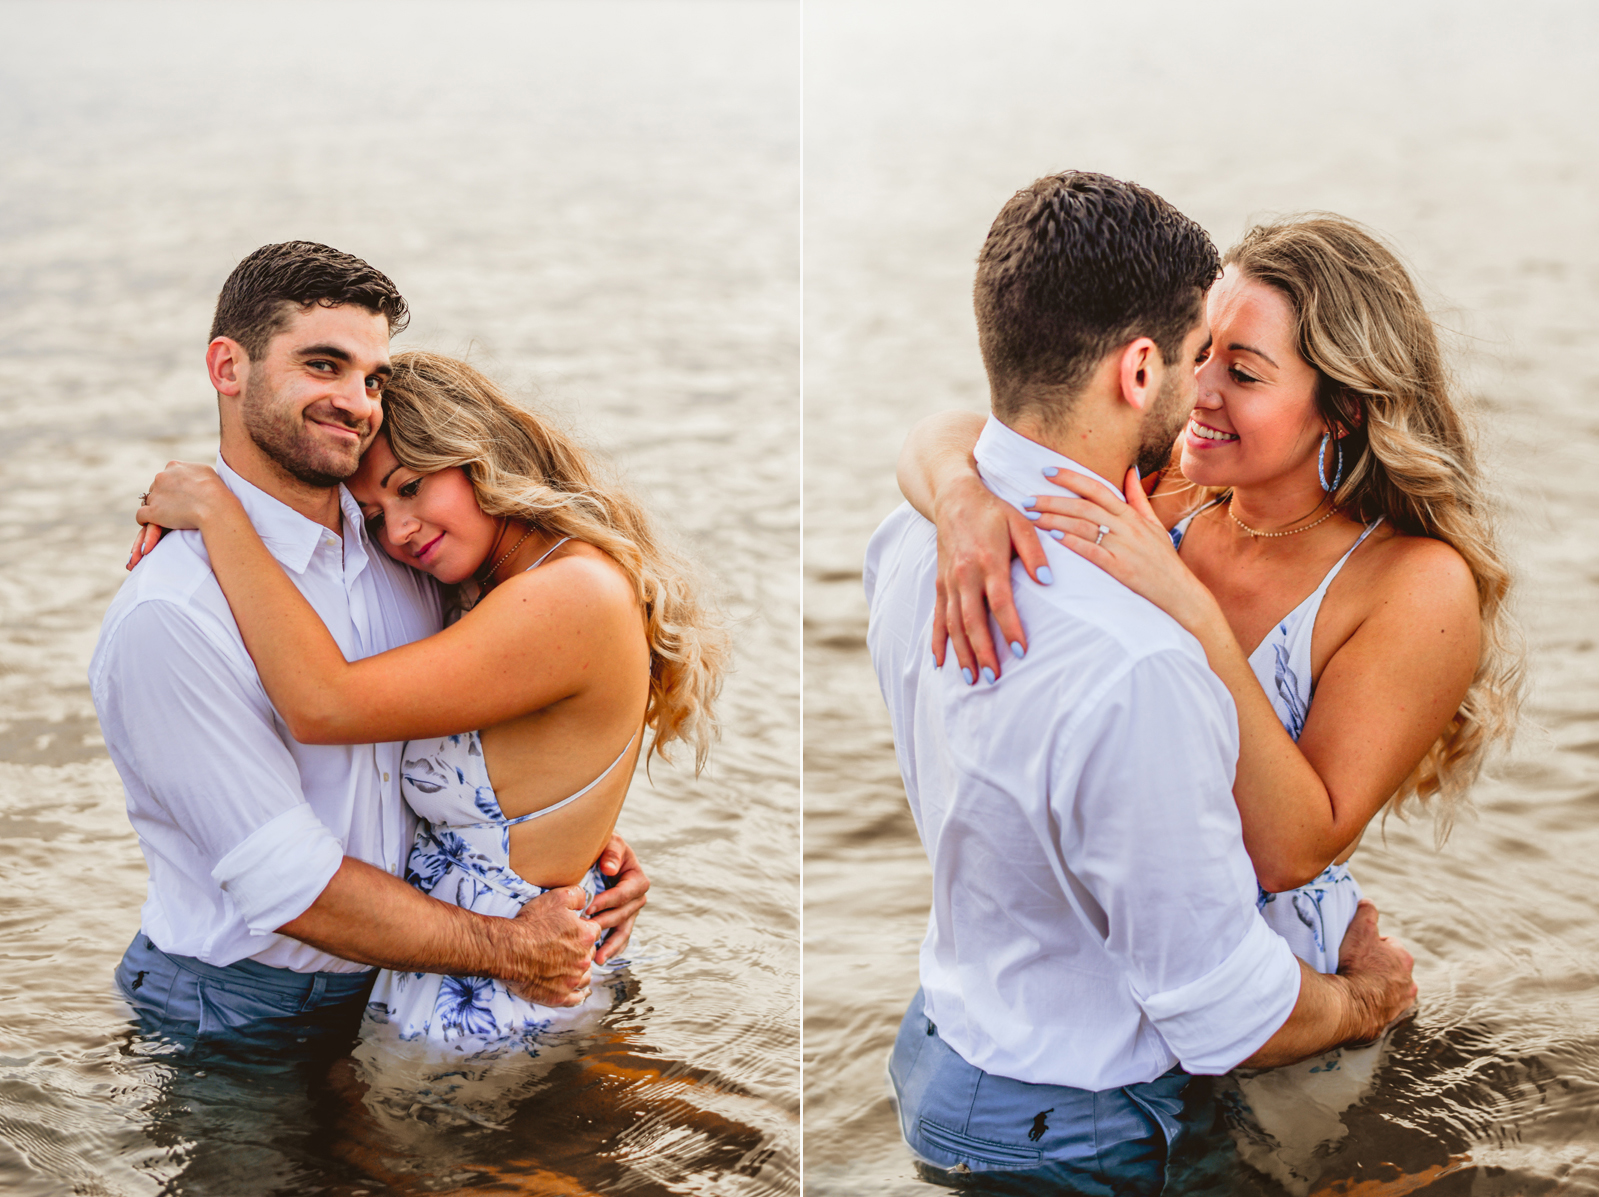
275	866
1093	931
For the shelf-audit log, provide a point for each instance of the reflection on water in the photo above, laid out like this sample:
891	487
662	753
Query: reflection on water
598	204
1463	132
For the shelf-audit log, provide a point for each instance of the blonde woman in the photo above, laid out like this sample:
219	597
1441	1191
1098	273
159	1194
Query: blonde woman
1322	532
581	637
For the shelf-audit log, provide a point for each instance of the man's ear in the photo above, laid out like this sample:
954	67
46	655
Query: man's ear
1138	372
227	363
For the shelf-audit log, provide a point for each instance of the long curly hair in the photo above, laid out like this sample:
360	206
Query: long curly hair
440	412
1407	450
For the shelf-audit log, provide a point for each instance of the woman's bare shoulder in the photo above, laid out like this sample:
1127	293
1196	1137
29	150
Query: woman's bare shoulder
1420	571
576	574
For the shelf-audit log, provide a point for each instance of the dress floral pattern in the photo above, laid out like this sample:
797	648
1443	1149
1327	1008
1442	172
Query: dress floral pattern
462	856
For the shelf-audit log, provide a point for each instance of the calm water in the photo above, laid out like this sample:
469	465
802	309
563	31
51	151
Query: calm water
1464	132
599	203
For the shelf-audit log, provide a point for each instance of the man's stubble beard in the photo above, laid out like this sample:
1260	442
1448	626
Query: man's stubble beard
1163	422
281	434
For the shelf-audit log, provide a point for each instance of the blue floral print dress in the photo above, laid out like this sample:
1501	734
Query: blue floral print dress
462	856
1314	917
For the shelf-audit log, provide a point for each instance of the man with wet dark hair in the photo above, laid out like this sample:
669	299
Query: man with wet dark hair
264	289
1074	266
1093	938
275	866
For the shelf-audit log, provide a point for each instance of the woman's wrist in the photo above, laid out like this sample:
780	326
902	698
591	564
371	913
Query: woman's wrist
953	489
1200	615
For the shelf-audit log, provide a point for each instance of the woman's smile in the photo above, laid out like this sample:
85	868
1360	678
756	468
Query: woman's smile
423	553
1203	436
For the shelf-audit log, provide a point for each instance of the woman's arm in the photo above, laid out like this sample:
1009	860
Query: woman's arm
1383	698
523	647
977	536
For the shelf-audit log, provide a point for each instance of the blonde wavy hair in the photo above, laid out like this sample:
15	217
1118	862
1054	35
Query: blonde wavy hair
440	412
1407	450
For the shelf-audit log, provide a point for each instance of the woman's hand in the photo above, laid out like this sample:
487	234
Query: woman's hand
977	536
617	908
1135	549
182	496
149	536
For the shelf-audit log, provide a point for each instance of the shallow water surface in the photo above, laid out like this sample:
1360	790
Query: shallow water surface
598	204
1463	132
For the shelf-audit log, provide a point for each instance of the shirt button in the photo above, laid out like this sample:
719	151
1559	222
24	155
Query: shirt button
385	777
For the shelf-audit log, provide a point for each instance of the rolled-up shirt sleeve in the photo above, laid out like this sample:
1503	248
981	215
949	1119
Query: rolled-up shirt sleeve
189	719
1175	888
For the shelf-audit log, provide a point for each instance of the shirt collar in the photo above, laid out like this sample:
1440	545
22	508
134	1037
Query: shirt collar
1012	466
289	536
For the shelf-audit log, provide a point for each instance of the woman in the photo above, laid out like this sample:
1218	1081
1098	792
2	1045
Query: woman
580	632
1332	541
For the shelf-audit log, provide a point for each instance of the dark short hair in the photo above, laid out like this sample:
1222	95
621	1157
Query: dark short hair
254	303
1075	265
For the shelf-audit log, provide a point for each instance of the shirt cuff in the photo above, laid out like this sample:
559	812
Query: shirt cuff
280	869
1220	1020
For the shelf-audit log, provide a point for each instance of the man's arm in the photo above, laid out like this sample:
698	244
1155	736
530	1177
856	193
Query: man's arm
371	917
1161	850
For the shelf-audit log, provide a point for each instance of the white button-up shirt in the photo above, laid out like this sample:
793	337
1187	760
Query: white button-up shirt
242	826
1093	917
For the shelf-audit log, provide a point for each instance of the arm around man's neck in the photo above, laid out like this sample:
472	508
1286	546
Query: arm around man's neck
1372	988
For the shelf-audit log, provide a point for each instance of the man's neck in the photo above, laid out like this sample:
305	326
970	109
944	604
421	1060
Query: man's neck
319	504
1102	450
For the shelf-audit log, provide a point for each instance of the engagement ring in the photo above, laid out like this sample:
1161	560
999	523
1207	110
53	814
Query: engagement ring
1104	531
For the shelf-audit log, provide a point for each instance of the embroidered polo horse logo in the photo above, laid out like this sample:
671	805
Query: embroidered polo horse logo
1039	1125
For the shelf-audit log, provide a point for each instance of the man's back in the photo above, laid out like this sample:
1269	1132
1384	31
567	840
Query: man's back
1093	915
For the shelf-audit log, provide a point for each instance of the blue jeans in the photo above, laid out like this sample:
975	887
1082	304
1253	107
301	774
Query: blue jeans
246	1006
961	1121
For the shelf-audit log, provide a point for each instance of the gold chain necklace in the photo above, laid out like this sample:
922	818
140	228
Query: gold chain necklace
485	579
1291	532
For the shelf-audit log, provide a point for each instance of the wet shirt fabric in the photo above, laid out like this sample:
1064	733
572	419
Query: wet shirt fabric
241	825
462	856
1093	919
1313	917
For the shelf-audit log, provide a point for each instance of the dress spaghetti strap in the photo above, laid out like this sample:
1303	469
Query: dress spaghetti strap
547	553
564	801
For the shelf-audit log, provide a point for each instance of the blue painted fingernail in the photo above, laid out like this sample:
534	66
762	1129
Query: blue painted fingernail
1044	576
1050	471
935	660
1016	649
988	675
1033	515
967	675
1032	501
1057	534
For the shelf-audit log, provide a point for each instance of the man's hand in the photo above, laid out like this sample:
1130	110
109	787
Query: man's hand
619	905
553	949
1378	970
1372	991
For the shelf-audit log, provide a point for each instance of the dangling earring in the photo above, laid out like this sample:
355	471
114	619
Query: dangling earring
1321	468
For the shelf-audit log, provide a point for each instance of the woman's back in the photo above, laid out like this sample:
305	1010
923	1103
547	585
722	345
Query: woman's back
557	776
